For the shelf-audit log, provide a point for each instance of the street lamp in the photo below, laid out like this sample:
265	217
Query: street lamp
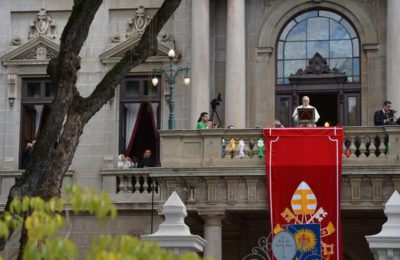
170	75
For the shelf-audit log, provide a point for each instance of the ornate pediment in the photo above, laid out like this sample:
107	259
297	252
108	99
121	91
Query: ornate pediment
317	71
38	51
165	43
318	65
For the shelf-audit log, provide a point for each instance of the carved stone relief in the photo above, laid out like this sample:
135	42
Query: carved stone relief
137	24
43	25
40	53
318	65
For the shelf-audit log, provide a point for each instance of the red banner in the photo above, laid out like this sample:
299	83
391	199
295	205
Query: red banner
303	178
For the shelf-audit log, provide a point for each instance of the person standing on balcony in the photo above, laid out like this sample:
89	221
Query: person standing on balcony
306	104
147	161
202	122
385	116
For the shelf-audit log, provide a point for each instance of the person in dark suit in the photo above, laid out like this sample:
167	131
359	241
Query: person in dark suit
385	116
147	161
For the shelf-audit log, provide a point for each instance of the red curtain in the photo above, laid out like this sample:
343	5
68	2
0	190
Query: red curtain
303	178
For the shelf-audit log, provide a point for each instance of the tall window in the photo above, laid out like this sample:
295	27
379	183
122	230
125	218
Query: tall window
140	116
37	95
318	31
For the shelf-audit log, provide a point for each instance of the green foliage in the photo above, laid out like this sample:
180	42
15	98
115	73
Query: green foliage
44	219
108	247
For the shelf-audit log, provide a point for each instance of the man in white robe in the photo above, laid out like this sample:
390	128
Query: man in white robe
306	104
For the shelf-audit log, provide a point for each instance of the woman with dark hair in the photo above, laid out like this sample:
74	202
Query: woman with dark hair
202	122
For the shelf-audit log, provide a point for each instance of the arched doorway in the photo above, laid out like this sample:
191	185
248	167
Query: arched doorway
328	38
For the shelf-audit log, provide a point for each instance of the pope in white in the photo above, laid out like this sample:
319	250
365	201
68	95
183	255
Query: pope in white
306	104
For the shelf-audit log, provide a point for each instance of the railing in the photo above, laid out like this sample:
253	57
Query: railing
9	177
244	147
226	168
130	185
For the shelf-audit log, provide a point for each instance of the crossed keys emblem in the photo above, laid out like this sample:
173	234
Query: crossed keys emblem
304	211
289	216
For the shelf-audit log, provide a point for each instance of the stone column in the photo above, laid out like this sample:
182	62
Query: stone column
213	235
200	67
393	53
235	82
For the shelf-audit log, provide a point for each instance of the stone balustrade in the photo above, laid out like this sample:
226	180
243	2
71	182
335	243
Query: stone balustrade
207	169
7	180
131	185
240	147
9	177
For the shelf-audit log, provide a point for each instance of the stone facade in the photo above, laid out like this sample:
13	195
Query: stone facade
237	61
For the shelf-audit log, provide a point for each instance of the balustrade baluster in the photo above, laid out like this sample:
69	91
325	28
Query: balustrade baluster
121	183
352	147
382	146
372	147
145	184
129	187
137	184
362	147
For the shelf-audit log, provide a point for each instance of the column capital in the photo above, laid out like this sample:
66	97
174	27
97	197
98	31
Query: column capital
212	216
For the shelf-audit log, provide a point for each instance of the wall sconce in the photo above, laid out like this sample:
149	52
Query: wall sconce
12	80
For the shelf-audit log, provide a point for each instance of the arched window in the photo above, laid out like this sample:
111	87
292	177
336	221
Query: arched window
321	31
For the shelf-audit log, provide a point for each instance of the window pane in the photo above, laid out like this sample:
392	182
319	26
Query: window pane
132	88
341	49
280	69
349	28
343	65
149	89
286	30
356	48
280	50
351	111
284	111
356	67
306	15
280	81
292	66
330	15
318	28
298	33
318	46
33	89
337	31
295	50
49	90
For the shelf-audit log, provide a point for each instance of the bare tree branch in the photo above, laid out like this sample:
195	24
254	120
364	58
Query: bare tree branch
146	48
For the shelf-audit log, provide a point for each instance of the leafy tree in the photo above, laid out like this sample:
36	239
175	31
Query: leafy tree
70	112
45	219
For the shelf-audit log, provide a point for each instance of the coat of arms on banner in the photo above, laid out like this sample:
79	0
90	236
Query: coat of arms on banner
304	223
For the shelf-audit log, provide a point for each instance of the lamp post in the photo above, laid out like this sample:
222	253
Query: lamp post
170	75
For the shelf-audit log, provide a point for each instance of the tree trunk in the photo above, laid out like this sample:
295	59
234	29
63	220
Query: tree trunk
57	143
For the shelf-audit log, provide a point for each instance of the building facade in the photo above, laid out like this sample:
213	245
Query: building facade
262	56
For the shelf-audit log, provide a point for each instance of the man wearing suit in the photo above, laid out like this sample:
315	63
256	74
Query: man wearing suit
384	116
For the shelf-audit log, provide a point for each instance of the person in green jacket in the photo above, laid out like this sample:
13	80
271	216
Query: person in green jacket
202	122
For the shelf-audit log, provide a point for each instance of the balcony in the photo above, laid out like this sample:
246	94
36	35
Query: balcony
206	169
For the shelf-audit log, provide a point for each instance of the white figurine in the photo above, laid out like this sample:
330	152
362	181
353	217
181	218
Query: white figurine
241	148
121	161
